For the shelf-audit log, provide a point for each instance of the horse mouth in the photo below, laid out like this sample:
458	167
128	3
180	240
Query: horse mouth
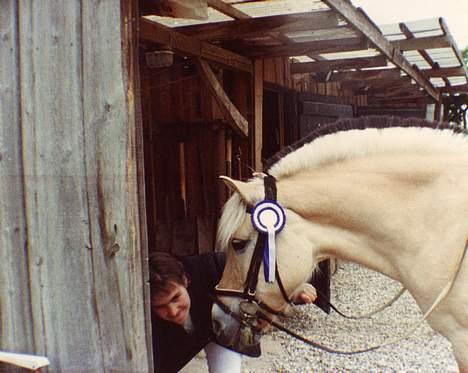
244	342
243	338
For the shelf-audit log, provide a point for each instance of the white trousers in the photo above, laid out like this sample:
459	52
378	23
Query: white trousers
222	360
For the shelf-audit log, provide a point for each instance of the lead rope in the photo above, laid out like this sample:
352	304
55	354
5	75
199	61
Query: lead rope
437	301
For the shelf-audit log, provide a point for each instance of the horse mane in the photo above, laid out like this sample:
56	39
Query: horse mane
301	154
342	140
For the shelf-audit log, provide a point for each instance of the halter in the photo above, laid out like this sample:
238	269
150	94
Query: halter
264	248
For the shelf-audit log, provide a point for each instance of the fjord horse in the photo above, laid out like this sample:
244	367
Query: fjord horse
387	193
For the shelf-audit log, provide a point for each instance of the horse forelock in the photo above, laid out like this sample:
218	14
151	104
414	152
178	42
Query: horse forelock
355	138
232	216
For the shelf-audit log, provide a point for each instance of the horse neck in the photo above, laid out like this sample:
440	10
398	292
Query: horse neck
352	215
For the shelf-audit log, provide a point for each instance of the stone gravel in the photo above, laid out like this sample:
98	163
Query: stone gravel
357	290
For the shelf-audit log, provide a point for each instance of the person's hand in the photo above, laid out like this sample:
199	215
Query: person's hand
304	294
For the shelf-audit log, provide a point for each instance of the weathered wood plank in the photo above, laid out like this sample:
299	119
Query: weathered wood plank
157	33
298	49
383	74
258	115
361	23
445	71
112	190
325	66
16	317
426	42
76	223
455	89
251	27
451	40
55	191
232	115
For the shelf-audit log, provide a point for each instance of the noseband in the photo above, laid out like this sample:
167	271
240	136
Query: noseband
251	303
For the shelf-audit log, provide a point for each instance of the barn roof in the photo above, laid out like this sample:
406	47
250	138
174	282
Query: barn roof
328	38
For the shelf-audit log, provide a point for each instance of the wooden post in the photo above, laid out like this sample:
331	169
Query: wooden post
258	116
437	112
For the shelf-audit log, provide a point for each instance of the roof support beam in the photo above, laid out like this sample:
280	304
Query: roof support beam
179	43
444	71
362	24
298	49
427	42
250	27
462	88
384	74
329	65
232	115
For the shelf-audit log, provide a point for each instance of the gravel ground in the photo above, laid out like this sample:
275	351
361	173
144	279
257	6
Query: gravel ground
356	290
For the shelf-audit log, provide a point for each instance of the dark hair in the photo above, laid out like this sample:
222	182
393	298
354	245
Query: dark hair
165	268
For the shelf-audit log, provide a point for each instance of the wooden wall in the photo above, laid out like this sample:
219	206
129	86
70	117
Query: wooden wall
71	274
188	144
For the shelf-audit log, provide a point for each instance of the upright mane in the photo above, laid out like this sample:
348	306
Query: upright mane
357	137
346	139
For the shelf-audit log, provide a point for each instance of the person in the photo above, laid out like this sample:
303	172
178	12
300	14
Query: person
181	300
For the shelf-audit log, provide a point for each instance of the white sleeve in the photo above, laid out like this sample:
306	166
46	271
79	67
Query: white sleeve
222	360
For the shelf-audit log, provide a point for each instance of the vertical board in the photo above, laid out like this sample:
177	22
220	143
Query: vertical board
15	311
111	183
64	323
70	224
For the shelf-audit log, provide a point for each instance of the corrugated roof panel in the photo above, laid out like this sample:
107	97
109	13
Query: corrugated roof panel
437	82
445	57
458	80
392	31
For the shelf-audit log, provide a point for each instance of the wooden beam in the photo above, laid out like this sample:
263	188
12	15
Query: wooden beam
232	115
367	28
387	74
227	9
445	71
463	88
451	41
427	42
185	45
298	49
251	27
329	65
409	35
373	86
257	142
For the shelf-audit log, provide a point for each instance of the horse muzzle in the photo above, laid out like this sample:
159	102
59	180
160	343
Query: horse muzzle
236	333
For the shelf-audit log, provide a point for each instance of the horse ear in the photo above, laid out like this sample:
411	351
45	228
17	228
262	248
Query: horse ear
247	191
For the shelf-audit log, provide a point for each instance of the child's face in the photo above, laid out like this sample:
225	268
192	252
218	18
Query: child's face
173	304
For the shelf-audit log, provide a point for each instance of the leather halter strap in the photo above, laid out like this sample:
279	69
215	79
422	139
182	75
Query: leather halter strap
251	281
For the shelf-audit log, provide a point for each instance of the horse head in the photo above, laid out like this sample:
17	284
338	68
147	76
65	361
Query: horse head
246	286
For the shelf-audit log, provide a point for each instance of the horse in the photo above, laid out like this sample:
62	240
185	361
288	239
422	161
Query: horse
387	193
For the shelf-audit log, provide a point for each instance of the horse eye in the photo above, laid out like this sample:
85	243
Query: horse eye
238	245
